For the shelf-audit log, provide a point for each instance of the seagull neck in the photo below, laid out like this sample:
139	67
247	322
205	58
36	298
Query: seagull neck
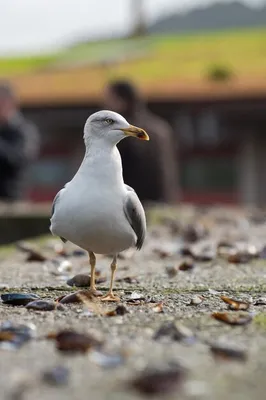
104	160
98	149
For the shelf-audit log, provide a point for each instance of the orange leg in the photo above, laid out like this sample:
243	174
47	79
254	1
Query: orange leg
110	295
93	290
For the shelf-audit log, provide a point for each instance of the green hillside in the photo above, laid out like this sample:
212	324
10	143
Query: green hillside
243	52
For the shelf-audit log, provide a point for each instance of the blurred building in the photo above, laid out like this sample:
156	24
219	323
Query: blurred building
220	131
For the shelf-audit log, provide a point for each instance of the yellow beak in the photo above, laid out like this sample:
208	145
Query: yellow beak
136	132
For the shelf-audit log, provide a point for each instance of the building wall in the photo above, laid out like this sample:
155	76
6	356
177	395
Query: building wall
210	140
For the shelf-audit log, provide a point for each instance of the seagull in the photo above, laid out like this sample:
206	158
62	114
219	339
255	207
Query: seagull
96	210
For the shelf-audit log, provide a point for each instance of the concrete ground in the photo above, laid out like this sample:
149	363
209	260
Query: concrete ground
213	236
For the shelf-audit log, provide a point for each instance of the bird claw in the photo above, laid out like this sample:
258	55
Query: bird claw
110	297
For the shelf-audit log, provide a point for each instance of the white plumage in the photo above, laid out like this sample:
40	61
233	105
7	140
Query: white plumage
96	210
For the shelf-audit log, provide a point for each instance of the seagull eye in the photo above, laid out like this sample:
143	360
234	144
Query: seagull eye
109	121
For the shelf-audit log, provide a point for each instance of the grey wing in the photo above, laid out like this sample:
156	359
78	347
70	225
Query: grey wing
135	214
55	202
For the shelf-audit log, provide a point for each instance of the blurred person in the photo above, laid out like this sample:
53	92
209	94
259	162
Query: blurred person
150	169
19	146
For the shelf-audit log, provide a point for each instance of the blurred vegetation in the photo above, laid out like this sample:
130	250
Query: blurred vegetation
155	57
220	73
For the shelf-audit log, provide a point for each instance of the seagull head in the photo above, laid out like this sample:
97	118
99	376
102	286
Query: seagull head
110	127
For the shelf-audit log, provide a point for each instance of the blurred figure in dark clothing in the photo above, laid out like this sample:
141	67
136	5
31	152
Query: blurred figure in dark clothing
151	169
19	146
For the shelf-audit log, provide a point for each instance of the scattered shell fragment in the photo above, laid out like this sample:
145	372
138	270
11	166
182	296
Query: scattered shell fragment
65	266
71	341
79	280
235	304
128	279
44	305
13	336
171	271
175	331
153	381
106	360
186	265
18	299
222	351
57	376
196	300
158	308
233	318
261	301
136	296
32	253
119	310
60	249
77	297
83	280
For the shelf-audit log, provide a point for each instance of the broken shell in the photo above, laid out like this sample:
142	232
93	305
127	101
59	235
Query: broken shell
43	305
196	300
153	381
76	297
119	310
158	308
56	376
65	266
261	301
233	318
225	352
175	331
32	253
74	342
171	271
18	299
186	265
13	336
235	304
107	360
